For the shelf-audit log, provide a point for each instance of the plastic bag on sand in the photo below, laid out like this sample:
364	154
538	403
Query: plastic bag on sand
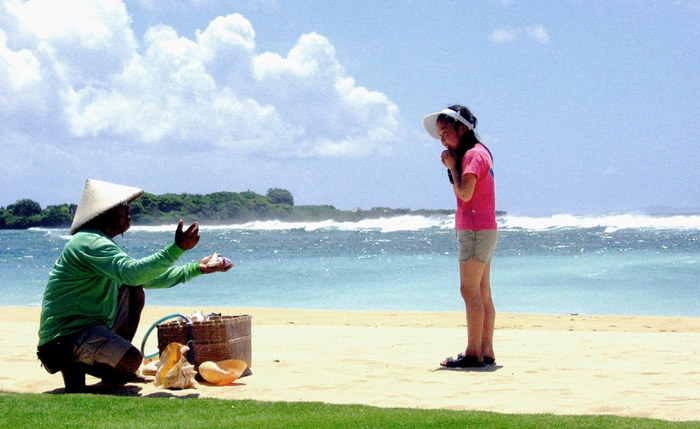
174	372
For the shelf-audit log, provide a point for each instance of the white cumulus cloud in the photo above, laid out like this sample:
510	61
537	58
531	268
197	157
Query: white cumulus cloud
79	63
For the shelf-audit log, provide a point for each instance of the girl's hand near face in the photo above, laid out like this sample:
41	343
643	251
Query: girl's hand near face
448	159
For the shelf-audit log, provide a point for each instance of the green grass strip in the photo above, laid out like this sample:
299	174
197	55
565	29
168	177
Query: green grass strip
20	410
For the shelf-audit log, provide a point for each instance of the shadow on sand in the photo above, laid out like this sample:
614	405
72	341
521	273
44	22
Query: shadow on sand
130	389
487	368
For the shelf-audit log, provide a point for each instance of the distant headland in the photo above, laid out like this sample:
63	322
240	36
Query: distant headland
216	208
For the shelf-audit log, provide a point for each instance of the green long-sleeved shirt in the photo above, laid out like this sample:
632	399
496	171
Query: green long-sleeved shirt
84	283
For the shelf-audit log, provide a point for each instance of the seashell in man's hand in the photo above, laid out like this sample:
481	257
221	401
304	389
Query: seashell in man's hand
217	259
214	260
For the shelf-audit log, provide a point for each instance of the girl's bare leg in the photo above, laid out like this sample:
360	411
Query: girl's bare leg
471	273
489	314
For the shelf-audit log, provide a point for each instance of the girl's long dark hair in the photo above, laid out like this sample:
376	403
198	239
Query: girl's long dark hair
468	140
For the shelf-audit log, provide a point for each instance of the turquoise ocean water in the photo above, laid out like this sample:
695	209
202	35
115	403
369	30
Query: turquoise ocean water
617	264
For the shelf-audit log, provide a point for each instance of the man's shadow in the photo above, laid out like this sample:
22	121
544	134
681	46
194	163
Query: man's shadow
126	390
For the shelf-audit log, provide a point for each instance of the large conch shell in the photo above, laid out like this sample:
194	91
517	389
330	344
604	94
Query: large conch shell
222	372
174	372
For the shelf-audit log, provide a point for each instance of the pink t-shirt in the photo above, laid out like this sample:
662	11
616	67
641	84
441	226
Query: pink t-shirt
479	212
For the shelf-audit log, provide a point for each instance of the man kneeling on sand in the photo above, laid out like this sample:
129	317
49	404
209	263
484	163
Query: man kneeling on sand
94	297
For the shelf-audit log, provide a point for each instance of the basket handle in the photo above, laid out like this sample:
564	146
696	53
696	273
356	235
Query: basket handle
190	337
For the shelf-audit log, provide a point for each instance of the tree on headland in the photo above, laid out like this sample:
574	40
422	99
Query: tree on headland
28	213
58	216
24	208
280	196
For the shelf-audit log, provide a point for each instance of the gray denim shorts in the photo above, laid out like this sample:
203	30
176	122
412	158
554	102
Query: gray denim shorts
477	244
98	344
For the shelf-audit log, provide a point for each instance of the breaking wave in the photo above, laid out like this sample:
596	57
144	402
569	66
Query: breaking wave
609	223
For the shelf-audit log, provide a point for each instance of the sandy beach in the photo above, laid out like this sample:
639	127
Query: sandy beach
560	364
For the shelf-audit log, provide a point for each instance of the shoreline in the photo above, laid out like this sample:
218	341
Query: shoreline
642	366
408	318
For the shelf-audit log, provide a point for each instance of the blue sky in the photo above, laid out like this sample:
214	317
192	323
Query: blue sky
588	107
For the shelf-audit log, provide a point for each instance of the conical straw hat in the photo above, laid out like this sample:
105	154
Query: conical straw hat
99	197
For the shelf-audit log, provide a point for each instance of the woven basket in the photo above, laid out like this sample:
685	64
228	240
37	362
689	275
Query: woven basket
218	338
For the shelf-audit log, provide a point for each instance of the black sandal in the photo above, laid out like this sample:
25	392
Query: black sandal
462	361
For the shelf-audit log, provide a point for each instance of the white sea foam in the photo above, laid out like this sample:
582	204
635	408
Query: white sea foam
392	224
157	228
610	223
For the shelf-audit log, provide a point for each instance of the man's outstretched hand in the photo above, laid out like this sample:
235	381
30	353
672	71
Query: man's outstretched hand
221	264
189	238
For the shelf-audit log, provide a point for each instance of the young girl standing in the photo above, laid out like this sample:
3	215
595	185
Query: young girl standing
469	165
